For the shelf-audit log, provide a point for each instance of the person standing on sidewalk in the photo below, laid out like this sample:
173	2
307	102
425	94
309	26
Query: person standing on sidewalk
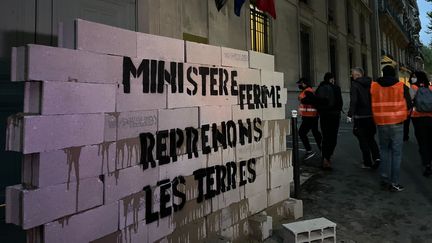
329	108
422	121
309	116
413	82
390	104
361	110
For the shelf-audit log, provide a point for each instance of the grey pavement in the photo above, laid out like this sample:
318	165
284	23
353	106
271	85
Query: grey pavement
352	197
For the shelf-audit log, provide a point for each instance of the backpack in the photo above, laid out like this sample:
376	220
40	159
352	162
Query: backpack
326	92
423	100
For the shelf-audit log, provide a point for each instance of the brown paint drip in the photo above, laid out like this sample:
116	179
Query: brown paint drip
103	150
125	150
134	202
64	221
73	155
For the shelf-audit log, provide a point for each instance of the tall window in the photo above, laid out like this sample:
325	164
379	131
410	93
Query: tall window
362	29
306	55
364	64
260	30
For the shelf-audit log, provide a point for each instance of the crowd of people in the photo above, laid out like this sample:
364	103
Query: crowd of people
384	107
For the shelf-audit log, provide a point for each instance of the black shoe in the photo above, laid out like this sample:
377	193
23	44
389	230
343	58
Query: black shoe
428	171
396	188
376	164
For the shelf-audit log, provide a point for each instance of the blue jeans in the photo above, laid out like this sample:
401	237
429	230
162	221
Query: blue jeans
390	142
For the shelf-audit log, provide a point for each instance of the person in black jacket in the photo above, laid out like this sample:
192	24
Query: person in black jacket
361	110
329	109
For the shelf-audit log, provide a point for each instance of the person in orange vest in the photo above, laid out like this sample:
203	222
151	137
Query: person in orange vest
423	126
390	105
364	126
309	116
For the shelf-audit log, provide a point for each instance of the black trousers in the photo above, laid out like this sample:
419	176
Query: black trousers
329	128
406	128
423	133
309	123
365	129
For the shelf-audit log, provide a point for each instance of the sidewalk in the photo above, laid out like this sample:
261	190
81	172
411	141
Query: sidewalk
352	198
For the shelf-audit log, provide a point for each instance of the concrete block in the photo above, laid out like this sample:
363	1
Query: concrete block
61	64
193	232
191	212
277	194
132	209
234	58
276	128
43	205
280	161
239	114
217	239
45	133
128	154
293	208
178	118
214	114
258	60
274	113
112	238
318	229
137	233
14	133
70	164
136	100
75	98
183	166
248	76
257	203
95	37
13	209
128	181
281	178
238	232
33	97
83	227
160	48
260	227
160	229
110	126
203	54
18	65
225	199
257	187
270	78
131	124
249	150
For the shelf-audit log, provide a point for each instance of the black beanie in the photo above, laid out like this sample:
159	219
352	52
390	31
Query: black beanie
389	71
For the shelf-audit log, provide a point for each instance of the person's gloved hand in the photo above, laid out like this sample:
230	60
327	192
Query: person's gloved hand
349	119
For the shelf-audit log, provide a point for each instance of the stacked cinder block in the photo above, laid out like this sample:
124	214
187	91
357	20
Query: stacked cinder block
313	230
83	179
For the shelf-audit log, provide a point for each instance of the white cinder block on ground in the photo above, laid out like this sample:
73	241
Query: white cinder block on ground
74	98
160	48
313	230
203	54
61	64
31	134
257	203
70	164
131	124
260	227
293	208
278	194
83	227
235	58
214	114
260	60
136	100
248	76
95	37
46	204
270	78
128	181
274	113
178	118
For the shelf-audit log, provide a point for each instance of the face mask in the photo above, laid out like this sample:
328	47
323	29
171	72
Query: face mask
413	80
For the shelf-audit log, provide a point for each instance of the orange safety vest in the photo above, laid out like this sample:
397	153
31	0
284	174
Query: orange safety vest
388	104
307	110
418	113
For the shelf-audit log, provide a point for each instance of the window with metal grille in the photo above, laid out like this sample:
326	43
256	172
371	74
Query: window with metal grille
260	30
